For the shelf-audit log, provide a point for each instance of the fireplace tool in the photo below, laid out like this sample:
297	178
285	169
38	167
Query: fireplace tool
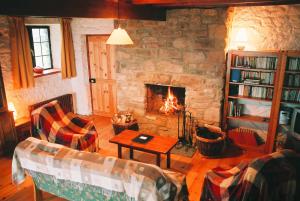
185	128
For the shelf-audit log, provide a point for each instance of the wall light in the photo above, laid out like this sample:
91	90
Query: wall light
11	107
241	39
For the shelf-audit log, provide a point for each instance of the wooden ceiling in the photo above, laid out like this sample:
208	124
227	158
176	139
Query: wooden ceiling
211	3
128	9
81	8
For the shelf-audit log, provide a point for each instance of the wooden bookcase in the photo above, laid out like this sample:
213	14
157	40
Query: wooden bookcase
288	93
253	81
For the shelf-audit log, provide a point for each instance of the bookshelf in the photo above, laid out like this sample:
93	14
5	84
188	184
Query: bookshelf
260	85
288	96
250	94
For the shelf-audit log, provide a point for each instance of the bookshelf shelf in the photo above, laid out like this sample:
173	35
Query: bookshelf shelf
257	119
291	88
250	98
252	69
292	72
254	85
290	103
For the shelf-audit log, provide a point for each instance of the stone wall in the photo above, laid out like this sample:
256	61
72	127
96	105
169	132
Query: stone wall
267	27
45	87
186	50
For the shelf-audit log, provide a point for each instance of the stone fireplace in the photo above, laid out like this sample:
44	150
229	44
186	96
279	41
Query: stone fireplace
163	99
185	52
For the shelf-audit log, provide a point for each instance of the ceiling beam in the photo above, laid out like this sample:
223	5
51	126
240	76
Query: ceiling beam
212	3
81	8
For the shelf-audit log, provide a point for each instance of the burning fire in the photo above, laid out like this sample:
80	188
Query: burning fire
170	105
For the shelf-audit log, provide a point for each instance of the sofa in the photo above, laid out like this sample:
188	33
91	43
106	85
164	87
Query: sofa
79	175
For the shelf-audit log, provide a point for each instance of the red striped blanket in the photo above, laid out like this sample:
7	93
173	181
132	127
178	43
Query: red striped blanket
274	177
51	123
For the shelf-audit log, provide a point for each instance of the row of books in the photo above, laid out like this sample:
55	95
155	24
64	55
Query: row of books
293	64
255	92
291	95
265	78
292	80
234	109
255	62
245	76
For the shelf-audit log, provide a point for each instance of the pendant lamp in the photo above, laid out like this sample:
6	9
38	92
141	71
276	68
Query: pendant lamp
119	36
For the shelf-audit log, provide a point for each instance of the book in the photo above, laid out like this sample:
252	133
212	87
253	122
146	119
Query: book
255	62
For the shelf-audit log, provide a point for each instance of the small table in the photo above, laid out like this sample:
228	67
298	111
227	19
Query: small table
157	145
23	128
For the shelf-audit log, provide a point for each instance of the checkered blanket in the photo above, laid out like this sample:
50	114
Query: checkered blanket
274	177
51	123
138	181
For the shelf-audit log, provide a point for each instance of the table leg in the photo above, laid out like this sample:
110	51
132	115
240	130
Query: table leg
119	151
131	154
168	160
158	160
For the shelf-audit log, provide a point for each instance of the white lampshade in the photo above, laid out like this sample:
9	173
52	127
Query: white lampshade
119	37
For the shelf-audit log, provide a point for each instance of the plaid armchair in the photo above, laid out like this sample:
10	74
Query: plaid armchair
51	123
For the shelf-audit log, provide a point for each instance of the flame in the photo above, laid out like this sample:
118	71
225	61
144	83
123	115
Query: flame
171	104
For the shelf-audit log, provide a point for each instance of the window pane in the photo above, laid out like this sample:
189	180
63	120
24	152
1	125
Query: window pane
37	49
47	62
39	61
36	35
44	35
45	48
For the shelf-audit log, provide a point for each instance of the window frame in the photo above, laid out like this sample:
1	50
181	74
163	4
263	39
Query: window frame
29	29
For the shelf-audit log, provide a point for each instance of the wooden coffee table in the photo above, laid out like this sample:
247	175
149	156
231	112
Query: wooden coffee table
157	145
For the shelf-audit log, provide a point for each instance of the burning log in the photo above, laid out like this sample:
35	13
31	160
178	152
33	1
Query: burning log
171	104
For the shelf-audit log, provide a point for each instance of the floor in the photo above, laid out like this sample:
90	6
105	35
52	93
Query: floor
194	168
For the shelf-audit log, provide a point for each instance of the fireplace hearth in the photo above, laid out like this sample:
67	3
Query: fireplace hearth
164	99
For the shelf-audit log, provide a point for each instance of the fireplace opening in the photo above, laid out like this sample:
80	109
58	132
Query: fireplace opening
163	99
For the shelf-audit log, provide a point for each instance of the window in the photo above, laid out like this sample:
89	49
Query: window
40	46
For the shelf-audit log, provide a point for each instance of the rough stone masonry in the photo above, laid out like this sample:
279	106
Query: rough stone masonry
187	50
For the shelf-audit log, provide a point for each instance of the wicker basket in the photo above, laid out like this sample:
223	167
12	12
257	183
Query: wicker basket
211	147
118	128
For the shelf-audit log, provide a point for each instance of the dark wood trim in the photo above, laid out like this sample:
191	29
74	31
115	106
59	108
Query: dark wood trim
80	8
65	101
212	3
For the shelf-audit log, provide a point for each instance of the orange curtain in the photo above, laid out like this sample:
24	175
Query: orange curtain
20	54
68	67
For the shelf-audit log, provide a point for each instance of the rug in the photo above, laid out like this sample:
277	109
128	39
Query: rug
184	150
